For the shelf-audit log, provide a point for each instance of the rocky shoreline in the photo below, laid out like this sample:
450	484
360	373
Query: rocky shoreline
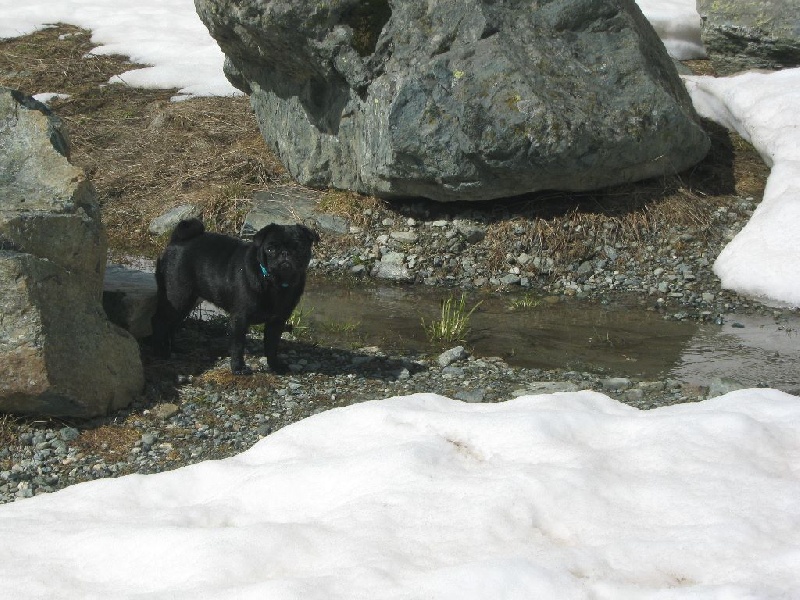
214	415
670	267
194	410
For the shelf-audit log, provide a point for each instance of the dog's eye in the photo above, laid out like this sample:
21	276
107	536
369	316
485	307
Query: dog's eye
271	249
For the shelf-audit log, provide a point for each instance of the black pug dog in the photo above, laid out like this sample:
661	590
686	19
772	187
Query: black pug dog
256	282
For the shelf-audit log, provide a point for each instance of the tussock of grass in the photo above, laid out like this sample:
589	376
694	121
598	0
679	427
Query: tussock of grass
453	323
300	321
351	205
222	378
527	301
111	442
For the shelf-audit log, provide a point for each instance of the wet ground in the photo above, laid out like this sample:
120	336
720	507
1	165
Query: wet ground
621	339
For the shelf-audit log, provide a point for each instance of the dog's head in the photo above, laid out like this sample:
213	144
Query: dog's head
284	251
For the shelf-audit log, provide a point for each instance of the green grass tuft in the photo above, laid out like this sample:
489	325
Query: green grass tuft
453	324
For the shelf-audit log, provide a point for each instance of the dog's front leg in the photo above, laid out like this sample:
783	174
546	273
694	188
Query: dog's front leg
238	334
272	337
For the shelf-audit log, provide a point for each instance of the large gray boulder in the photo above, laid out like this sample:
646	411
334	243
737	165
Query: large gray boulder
746	34
459	99
59	355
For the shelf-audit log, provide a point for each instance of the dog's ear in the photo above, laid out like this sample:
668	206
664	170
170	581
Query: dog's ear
311	235
264	233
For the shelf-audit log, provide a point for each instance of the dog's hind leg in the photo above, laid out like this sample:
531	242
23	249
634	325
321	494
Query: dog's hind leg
174	304
165	323
160	321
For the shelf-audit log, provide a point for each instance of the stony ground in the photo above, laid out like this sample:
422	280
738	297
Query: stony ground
594	257
193	409
189	418
654	240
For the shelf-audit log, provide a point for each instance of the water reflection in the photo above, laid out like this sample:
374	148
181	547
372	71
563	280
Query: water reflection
620	340
752	350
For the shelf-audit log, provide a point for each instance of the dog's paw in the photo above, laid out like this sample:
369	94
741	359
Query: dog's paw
277	366
239	367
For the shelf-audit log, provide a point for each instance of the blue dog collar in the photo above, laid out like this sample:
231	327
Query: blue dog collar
265	273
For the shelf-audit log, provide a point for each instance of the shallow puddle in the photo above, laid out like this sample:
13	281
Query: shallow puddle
753	350
619	340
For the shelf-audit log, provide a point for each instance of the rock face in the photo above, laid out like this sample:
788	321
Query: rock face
746	34
459	99
130	299
59	355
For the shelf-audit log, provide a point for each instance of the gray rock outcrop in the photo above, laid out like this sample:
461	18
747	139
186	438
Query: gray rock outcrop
459	99
130	299
747	34
59	354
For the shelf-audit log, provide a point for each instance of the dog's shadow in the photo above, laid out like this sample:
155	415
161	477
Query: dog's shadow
322	360
201	356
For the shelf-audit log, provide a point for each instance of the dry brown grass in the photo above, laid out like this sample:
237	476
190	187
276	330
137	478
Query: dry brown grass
222	378
351	205
144	153
8	433
111	442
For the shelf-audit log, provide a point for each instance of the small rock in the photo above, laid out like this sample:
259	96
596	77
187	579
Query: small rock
633	396
472	233
392	266
448	357
405	237
471	396
167	222
451	371
68	434
722	385
148	439
164	411
332	223
585	268
510	279
616	384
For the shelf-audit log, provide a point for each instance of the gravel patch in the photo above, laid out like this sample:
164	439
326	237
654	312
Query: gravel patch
597	248
215	415
660	251
602	259
194	411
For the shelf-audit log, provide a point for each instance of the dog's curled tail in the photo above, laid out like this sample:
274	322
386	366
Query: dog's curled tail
186	230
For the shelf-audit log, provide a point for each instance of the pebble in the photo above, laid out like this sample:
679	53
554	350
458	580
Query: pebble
448	357
616	384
